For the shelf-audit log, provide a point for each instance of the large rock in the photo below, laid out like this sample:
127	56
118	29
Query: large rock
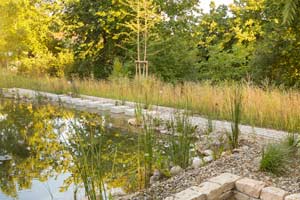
208	159
132	122
293	197
176	170
250	187
272	193
197	162
226	180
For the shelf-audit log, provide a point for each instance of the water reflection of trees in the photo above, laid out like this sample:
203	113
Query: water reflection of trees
27	134
30	135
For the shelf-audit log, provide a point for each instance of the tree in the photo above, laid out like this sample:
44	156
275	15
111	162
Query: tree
291	11
145	17
227	42
174	49
28	31
95	27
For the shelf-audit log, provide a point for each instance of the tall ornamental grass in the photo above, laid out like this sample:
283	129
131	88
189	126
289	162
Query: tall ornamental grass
266	106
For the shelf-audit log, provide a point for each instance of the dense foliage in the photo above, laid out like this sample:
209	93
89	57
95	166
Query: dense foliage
249	39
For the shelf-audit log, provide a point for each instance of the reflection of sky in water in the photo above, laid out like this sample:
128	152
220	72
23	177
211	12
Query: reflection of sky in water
47	190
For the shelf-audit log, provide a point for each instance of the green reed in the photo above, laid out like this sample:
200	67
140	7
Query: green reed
181	139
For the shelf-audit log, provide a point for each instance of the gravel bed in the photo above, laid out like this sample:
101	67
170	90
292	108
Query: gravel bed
244	162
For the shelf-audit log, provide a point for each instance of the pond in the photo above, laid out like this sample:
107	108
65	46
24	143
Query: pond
50	152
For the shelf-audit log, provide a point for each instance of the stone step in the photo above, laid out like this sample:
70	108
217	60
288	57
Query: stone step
105	106
118	109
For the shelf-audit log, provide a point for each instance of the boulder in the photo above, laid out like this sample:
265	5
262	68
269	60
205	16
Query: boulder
132	122
176	170
197	162
208	159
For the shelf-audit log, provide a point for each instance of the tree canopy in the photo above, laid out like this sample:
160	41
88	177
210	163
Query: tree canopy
249	39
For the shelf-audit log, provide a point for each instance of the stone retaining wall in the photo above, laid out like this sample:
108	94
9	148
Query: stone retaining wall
165	113
231	187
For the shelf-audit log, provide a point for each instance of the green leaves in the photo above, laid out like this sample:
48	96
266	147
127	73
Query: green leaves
291	8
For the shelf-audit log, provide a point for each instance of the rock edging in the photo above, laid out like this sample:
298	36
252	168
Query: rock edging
229	186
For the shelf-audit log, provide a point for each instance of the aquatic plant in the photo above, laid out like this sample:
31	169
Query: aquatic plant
85	146
236	113
181	138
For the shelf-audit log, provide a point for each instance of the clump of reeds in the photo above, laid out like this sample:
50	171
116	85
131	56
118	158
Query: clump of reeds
85	146
236	113
181	139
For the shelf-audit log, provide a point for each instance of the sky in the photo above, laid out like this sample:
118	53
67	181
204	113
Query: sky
205	4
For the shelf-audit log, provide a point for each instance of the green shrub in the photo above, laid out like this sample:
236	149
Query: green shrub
275	158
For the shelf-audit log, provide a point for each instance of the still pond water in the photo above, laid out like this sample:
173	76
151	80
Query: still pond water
38	151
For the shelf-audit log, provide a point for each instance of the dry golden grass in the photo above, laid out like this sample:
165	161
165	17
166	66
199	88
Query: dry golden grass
271	107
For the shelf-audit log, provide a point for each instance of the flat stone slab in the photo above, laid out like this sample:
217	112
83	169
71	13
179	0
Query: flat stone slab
272	193
93	104
52	97
226	180
65	98
118	109
293	197
82	103
250	187
130	112
188	194
105	106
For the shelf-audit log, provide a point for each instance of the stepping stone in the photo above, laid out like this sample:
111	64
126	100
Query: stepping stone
65	98
105	107
118	109
82	103
93	104
52	97
5	158
130	112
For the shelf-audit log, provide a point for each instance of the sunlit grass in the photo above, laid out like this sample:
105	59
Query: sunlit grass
265	107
